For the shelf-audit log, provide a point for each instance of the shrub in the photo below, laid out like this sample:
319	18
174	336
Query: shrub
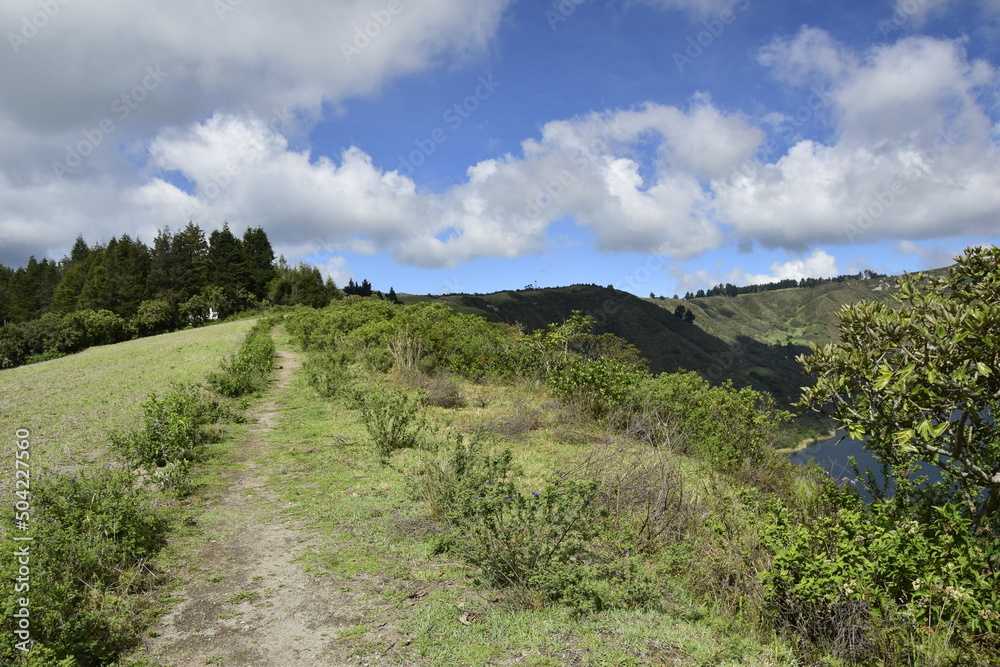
600	386
728	427
249	369
847	583
171	437
328	373
391	419
100	327
154	316
14	347
549	545
95	535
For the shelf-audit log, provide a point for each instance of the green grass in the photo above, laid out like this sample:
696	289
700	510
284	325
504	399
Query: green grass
376	536
70	404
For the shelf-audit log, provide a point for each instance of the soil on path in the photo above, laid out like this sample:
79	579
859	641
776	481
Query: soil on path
252	604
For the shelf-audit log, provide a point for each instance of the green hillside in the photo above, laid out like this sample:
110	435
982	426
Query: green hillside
797	315
70	404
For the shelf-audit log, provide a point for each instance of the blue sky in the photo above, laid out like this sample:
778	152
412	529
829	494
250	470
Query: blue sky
439	145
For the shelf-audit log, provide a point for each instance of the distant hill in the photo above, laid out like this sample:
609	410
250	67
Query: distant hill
751	339
667	342
796	315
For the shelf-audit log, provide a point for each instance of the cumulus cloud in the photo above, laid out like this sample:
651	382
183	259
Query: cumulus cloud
912	152
586	167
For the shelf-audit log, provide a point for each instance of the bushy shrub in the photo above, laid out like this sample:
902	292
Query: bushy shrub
170	438
391	418
14	347
728	427
600	386
155	316
99	327
93	537
846	583
249	369
548	545
329	373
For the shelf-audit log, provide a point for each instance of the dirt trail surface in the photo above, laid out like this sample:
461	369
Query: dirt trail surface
253	605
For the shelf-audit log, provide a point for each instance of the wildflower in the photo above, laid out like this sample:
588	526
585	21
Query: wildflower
534	493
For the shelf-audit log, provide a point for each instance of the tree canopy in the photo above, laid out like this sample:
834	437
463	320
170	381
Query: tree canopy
920	379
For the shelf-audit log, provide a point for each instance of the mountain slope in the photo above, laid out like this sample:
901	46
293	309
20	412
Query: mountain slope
667	342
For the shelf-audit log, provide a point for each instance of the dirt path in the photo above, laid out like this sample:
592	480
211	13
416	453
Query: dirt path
253	605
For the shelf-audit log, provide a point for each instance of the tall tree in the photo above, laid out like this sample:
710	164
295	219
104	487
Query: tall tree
259	257
189	252
226	261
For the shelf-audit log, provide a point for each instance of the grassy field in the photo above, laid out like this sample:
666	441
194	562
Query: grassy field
375	534
70	404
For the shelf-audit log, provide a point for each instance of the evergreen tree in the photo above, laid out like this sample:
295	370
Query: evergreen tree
5	275
392	295
259	256
160	281
227	263
80	250
679	311
31	289
189	256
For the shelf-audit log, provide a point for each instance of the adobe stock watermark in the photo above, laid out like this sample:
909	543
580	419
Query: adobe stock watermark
33	23
561	11
714	27
787	131
549	192
632	282
885	198
122	107
454	117
371	30
904	14
222	179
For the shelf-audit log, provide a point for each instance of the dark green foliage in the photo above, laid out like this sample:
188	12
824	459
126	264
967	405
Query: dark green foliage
921	378
867	588
227	263
249	369
354	289
154	316
259	257
93	537
301	286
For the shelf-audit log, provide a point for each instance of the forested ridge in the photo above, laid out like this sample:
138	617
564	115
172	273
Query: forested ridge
108	292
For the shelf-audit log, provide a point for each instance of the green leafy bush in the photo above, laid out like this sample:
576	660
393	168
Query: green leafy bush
391	418
845	581
728	427
93	537
170	438
249	369
599	385
329	373
549	545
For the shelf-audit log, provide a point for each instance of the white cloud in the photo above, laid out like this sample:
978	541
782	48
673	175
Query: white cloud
819	264
912	152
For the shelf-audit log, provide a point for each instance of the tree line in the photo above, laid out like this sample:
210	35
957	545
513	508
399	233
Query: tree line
728	289
106	292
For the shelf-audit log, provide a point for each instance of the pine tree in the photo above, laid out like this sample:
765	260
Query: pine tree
189	252
259	256
227	263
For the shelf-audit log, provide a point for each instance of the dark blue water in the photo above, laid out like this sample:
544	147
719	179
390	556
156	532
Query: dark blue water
833	453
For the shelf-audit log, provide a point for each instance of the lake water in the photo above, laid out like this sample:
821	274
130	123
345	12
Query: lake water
832	454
